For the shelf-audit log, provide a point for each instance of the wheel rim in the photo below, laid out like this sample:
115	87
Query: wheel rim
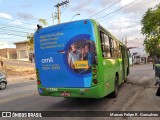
3	85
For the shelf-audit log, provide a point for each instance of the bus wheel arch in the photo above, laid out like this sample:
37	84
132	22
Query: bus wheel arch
116	85
117	75
127	74
127	71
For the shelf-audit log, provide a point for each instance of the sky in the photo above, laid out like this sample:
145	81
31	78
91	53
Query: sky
20	17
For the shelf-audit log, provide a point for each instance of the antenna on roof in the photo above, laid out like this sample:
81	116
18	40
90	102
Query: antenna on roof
38	27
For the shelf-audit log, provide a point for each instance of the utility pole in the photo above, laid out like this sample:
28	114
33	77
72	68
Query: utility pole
58	8
122	39
126	41
53	17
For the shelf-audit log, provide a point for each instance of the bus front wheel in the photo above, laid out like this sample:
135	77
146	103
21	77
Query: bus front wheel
115	92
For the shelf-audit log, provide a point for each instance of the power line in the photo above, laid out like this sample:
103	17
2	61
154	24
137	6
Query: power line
71	5
15	20
3	38
15	26
104	9
12	34
111	16
108	17
116	10
13	30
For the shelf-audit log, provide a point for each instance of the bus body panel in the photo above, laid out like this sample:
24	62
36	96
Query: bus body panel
109	67
64	82
52	46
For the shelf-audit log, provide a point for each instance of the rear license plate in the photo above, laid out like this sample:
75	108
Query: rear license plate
65	94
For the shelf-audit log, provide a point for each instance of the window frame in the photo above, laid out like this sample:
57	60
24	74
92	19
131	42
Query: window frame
103	45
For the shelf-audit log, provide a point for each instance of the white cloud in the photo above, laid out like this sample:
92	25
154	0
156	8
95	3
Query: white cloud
16	22
4	15
105	3
83	6
26	16
135	42
34	27
141	6
124	26
128	22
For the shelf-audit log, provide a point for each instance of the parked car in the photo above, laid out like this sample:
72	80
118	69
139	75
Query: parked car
3	81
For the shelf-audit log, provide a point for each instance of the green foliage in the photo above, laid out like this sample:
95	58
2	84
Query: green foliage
30	36
43	22
151	29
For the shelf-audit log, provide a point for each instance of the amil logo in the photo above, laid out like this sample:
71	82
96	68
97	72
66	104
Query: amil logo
47	60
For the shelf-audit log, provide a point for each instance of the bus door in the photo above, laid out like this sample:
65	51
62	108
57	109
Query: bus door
124	63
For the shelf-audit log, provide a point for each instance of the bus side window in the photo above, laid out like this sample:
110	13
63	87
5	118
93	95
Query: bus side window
129	54
105	45
106	40
115	49
125	53
111	47
119	52
102	38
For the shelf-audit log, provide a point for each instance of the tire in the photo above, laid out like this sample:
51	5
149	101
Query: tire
127	75
115	92
126	79
2	85
127	71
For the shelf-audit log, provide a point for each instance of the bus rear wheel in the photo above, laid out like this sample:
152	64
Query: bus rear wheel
116	84
127	75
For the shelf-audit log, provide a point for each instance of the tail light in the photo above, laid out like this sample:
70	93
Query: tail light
95	81
94	66
95	71
39	82
95	76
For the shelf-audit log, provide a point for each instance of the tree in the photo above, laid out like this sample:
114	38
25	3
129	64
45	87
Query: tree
30	36
151	29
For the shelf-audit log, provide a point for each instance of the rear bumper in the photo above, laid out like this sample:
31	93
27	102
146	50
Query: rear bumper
93	92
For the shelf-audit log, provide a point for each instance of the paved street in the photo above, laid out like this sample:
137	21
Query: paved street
138	94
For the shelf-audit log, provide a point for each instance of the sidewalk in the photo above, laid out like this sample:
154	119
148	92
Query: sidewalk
12	79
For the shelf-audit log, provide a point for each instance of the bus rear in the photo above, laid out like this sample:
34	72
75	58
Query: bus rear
66	62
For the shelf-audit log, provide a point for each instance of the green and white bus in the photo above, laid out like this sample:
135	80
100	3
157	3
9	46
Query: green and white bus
79	59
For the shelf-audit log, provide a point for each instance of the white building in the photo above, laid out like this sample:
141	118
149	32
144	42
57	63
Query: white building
137	50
